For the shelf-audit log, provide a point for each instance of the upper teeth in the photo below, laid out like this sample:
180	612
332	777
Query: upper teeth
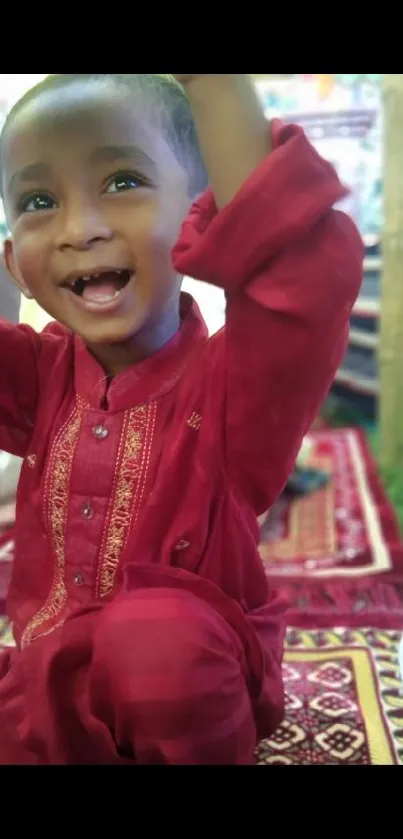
87	279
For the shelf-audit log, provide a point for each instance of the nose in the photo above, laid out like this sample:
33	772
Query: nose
82	227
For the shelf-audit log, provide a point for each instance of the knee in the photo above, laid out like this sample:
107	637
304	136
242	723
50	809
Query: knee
166	636
168	677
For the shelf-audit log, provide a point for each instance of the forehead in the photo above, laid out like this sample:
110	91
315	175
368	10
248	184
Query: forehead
71	122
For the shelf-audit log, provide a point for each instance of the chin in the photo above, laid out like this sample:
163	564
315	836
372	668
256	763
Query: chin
113	335
108	339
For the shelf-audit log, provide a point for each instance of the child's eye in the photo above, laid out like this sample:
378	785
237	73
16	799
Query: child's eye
123	182
36	203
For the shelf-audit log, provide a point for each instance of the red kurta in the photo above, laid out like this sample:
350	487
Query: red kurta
139	500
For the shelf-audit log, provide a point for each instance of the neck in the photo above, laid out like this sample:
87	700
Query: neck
115	358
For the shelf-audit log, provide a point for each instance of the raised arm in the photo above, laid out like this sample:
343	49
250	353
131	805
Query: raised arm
291	266
232	129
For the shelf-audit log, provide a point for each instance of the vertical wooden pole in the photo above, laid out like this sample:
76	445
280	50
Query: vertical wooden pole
391	346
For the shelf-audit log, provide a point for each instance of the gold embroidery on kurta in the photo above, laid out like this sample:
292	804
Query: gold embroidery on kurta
195	421
183	545
56	508
131	471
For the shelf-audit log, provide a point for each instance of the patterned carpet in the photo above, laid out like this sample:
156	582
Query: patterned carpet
346	530
336	555
6	638
344	699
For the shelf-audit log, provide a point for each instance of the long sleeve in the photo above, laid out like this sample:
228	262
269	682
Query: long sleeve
291	267
19	350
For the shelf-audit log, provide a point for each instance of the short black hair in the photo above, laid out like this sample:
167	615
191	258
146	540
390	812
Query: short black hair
162	92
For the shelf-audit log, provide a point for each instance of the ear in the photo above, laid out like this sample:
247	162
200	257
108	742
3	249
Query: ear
12	268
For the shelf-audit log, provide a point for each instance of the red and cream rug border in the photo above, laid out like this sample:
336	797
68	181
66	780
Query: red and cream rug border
347	530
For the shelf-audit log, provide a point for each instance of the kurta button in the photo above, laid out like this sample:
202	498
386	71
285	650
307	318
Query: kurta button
100	432
87	511
78	580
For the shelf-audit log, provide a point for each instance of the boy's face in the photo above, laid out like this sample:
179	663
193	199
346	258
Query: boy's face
94	199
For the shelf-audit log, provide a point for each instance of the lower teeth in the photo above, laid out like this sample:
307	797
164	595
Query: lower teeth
109	298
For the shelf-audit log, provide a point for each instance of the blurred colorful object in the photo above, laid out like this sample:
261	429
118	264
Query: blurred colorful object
348	79
326	83
351	79
342	116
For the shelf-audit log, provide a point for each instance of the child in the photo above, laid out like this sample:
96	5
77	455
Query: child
146	632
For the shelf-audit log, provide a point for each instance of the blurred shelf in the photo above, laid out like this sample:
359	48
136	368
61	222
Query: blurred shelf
373	264
367	307
359	384
367	341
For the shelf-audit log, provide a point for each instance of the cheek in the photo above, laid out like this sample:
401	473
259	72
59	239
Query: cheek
174	209
155	230
30	260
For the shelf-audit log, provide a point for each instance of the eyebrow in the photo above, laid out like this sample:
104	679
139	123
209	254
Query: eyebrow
110	154
33	172
103	154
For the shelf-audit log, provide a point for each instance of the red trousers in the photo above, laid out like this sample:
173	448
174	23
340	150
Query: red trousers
154	677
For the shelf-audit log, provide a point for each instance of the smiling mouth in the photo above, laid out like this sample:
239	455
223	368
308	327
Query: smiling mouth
100	288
